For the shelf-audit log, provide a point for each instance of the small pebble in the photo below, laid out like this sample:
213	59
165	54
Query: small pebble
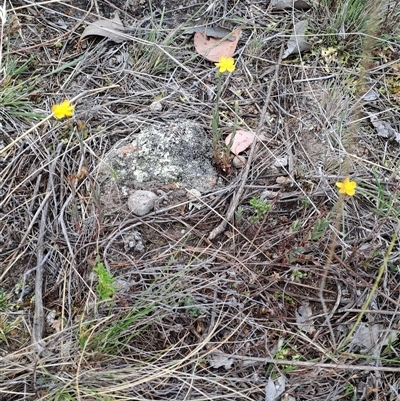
239	161
141	202
281	161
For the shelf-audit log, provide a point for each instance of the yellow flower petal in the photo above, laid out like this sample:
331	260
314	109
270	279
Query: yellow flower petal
64	109
347	187
226	64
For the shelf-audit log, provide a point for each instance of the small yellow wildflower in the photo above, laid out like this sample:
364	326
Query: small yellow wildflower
347	187
64	109
226	64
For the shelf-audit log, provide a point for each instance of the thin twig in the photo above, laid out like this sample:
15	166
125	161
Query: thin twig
322	365
38	318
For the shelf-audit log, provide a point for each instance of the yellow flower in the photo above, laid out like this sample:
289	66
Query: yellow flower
64	109
226	64
347	187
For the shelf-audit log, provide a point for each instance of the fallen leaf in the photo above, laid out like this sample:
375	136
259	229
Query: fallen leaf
216	32
371	95
296	42
303	321
212	49
370	338
218	359
241	141
283	4
108	28
383	128
274	389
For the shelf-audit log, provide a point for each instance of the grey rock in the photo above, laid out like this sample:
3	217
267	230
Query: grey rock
178	153
141	202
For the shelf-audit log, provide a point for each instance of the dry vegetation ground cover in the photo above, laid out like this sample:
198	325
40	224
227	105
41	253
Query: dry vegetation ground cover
297	298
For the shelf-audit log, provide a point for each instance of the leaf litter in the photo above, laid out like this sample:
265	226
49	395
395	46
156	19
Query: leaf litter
212	49
383	128
275	388
303	318
241	141
284	4
218	359
218	32
297	43
107	28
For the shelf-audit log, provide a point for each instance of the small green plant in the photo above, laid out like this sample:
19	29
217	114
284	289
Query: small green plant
282	353
296	225
15	91
239	214
110	335
105	287
350	389
384	204
285	298
318	229
3	300
293	255
297	275
351	15
290	354
394	267
192	308
6	327
261	207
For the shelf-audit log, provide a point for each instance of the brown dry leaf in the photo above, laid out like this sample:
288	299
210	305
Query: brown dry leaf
241	141
213	49
108	28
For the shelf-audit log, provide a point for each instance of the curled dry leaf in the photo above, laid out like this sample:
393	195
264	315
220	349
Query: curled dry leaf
296	42
303	318
371	95
241	141
108	28
213	49
216	32
282	4
384	128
